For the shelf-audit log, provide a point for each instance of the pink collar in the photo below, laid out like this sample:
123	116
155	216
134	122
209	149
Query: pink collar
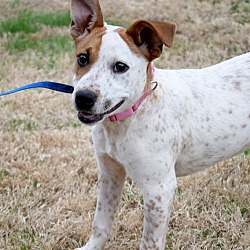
129	112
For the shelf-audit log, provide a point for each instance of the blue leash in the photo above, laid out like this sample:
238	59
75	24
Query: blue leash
47	85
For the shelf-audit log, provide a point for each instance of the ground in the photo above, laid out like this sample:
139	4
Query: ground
48	171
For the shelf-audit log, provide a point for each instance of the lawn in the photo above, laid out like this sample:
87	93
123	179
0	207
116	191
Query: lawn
48	173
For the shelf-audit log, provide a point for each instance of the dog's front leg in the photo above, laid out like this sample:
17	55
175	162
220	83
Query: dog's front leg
158	198
111	177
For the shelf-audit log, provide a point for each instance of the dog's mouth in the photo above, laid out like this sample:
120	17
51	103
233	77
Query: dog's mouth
90	118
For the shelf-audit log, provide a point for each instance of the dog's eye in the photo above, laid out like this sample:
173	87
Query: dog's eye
120	67
83	59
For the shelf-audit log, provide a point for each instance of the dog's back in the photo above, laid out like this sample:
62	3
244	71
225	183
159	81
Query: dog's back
214	112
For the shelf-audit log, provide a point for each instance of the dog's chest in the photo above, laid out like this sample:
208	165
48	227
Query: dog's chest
113	143
116	143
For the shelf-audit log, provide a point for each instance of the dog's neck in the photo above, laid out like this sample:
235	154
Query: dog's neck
129	112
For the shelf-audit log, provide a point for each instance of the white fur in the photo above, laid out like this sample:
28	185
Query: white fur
194	119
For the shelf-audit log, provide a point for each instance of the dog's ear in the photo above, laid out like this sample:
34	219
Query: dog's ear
150	36
85	16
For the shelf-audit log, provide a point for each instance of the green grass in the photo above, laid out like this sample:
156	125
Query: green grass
23	42
243	211
15	4
247	152
30	22
26	240
3	173
240	6
21	32
25	125
19	24
241	11
25	32
116	22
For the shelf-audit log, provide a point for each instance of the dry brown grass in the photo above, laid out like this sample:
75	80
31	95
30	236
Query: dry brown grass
47	166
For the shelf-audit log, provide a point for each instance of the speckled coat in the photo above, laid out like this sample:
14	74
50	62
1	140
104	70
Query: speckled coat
192	120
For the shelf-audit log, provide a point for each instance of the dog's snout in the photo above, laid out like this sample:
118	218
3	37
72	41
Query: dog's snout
85	99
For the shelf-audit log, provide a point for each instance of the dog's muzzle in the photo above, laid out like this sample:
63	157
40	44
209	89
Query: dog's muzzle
84	102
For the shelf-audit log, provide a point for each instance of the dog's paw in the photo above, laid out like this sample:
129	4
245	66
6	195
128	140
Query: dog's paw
93	244
87	247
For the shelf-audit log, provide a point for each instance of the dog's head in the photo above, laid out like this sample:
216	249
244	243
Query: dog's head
112	64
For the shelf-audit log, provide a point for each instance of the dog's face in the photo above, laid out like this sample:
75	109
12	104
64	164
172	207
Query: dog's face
108	76
112	65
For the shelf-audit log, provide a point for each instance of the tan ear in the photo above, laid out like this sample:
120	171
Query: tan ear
150	36
85	16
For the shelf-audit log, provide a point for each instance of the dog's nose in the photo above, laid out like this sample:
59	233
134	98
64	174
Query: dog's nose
85	99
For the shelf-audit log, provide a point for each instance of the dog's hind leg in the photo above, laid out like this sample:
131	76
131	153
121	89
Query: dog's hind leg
111	179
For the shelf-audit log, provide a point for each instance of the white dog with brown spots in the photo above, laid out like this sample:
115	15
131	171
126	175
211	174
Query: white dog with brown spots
150	124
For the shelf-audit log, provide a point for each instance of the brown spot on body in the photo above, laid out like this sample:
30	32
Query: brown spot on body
227	78
237	85
107	104
225	137
158	198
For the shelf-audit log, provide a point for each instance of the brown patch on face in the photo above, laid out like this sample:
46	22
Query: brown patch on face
130	41
90	45
237	85
134	48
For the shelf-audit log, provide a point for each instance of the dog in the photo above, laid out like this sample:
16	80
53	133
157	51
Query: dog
150	124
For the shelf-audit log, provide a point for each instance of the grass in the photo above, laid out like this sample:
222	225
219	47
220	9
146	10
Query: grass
48	170
26	125
241	10
240	5
247	152
3	173
27	31
117	22
29	22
